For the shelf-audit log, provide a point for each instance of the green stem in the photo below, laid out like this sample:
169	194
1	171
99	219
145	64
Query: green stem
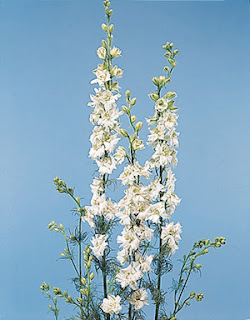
183	288
71	259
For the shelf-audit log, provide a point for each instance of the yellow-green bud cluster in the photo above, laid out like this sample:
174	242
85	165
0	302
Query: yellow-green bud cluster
170	55
44	286
199	296
160	82
53	226
60	185
87	257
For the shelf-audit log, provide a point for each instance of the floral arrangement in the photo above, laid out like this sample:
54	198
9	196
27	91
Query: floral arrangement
131	276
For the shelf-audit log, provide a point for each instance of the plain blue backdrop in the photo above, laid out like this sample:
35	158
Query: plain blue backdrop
47	51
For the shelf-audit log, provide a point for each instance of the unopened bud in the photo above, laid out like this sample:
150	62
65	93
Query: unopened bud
154	96
170	95
92	275
166	69
125	109
104	27
80	300
138	126
78	200
104	44
155	81
133	118
133	101
123	133
127	94
175	52
111	28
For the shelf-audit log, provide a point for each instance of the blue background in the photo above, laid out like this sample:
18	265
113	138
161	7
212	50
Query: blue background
47	58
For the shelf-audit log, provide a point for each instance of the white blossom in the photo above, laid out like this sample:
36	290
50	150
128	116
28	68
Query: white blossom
101	52
138	299
111	304
99	244
129	276
170	235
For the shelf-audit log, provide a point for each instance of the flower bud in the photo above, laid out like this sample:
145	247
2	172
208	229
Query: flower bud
133	101
104	27
104	44
172	62
223	241
175	52
133	118
138	126
50	307
155	81
123	133
166	69
92	275
127	94
80	300
125	109
83	281
170	95
78	200
111	28
154	96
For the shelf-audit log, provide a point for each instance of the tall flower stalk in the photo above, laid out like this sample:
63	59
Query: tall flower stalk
131	277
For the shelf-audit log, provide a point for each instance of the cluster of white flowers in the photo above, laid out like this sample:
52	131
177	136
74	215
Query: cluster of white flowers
142	205
164	139
104	137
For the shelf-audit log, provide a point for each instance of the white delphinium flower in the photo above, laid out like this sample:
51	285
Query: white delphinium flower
157	211
122	256
115	52
99	244
161	104
101	52
102	76
106	165
143	262
155	188
163	155
138	299
172	200
131	172
129	240
171	235
120	154
137	144
111	304
129	276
